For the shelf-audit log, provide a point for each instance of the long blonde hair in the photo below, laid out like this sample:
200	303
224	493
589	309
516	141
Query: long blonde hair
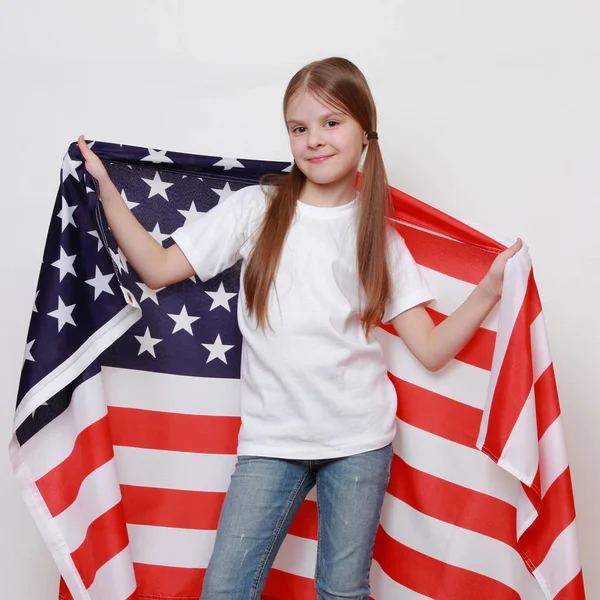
339	83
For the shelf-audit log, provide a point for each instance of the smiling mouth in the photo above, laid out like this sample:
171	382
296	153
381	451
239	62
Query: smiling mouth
319	159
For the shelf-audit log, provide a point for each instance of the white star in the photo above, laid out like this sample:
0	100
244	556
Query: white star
157	156
147	342
100	283
119	259
193	278
157	235
130	205
64	264
63	314
157	186
148	292
95	234
217	350
35	300
220	298
229	163
224	193
183	321
27	355
192	214
66	214
68	167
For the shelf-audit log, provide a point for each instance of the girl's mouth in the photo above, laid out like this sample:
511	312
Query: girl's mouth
320	159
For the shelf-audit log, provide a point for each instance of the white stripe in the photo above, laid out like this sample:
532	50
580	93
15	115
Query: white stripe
76	363
450	293
553	455
457	380
459	547
115	579
526	512
54	442
98	493
174	470
51	534
540	348
298	556
171	393
171	546
453	462
561	564
212	472
516	277
520	455
383	587
192	549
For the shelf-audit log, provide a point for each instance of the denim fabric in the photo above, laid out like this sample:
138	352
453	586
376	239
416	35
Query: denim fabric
261	502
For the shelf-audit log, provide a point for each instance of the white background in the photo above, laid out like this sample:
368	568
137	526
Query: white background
488	110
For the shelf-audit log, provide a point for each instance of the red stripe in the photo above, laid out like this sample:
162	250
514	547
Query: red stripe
93	448
196	510
456	259
514	380
452	503
573	590
547	406
434	578
175	582
478	352
157	581
105	538
157	430
437	414
556	512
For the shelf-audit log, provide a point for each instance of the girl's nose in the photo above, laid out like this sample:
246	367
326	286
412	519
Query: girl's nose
314	139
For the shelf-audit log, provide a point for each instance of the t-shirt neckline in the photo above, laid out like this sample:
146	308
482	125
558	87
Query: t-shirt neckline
325	211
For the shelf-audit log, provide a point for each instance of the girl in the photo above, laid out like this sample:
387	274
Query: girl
321	268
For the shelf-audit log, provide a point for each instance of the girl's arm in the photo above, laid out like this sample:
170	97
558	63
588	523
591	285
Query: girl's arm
434	346
156	266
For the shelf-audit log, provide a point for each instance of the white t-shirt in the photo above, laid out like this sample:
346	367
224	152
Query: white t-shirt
315	386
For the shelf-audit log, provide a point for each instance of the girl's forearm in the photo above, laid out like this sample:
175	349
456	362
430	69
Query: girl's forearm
451	335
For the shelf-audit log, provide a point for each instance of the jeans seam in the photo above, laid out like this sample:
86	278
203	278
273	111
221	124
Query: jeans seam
278	527
319	532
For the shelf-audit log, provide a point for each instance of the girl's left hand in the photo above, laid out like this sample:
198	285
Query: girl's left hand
495	276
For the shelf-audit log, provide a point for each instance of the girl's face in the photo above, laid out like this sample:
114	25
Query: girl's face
318	130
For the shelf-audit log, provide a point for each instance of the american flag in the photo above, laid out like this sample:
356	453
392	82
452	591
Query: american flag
127	416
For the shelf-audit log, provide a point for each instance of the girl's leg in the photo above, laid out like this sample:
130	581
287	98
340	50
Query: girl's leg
260	504
350	493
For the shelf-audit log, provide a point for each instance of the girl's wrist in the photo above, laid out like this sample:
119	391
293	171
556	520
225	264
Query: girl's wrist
492	289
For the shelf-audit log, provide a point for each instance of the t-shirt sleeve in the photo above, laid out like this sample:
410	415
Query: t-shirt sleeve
213	241
409	287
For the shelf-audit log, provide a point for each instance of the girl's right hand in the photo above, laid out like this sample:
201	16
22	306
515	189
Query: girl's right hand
93	164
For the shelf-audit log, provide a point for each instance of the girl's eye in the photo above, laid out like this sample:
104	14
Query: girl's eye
295	130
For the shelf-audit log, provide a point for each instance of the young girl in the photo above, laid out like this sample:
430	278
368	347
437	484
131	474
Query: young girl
321	268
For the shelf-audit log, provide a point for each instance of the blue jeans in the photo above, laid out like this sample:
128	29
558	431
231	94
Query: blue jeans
261	502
